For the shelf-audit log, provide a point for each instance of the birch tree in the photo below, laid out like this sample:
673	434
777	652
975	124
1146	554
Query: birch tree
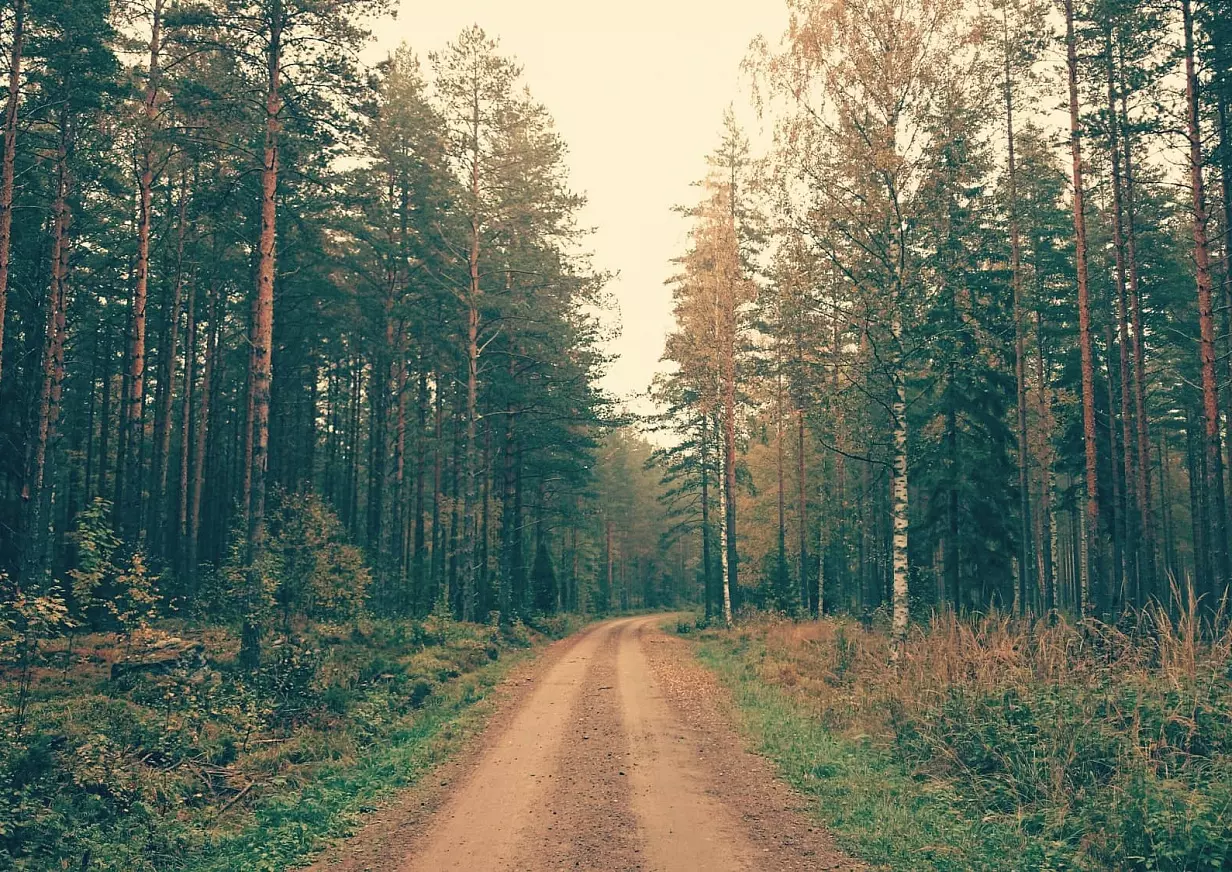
866	78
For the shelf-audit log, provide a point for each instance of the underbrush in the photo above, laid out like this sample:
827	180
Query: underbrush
191	763
1000	745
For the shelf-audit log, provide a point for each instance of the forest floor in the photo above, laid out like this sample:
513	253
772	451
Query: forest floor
198	765
615	752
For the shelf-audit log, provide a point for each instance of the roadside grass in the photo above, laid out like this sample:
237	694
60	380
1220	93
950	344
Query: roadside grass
869	801
290	827
997	744
206	767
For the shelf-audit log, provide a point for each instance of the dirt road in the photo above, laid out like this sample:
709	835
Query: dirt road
616	756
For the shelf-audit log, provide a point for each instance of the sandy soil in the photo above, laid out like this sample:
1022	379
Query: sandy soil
614	753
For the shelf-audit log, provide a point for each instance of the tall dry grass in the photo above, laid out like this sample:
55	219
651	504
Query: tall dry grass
1113	744
842	668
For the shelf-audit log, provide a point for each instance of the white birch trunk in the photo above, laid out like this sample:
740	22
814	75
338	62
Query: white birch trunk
899	557
727	609
821	571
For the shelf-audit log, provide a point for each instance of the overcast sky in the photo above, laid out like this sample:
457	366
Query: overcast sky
637	88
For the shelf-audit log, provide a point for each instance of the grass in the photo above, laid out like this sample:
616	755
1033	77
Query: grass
870	802
995	744
211	767
292	826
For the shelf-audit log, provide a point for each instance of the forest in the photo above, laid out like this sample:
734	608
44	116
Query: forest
942	348
427	386
304	443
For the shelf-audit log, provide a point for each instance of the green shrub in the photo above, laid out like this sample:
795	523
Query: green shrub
321	575
337	699
287	681
420	691
131	775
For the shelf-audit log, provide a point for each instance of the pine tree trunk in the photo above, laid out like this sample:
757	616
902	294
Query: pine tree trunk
1091	542
1147	570
201	436
507	521
1131	538
8	174
1225	295
378	447
453	589
470	473
841	525
132	514
420	545
1165	513
483	604
953	576
1197	507
574	606
104	420
438	538
1020	344
518	583
400	378
91	419
121	427
1114	477
354	414
262	349
249	421
472	375
166	383
35	490
1221	573
605	603
186	404
1047	572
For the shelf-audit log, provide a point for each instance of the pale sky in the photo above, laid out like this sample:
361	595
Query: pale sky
638	89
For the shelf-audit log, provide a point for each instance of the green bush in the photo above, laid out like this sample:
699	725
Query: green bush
337	699
131	775
420	691
287	681
1100	771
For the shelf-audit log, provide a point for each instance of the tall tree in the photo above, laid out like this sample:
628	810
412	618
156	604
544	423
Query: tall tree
1093	565
1214	484
11	106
